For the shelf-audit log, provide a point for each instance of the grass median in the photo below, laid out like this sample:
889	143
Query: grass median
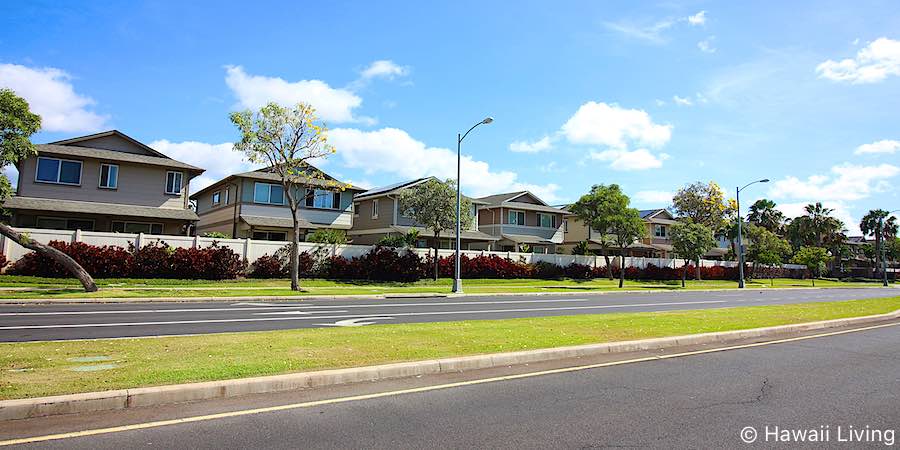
17	287
53	368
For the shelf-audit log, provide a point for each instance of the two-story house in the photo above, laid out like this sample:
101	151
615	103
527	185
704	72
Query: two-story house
103	182
520	219
377	214
657	241
254	205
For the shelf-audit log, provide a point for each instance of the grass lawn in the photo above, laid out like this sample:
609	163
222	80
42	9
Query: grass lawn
47	368
18	287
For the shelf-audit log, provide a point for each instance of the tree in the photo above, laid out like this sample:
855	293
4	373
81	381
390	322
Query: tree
817	228
766	248
432	204
286	140
704	204
764	213
595	209
582	248
691	241
17	124
813	258
327	236
626	227
396	240
877	223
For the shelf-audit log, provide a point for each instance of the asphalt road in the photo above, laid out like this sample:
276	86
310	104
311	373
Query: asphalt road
20	323
697	401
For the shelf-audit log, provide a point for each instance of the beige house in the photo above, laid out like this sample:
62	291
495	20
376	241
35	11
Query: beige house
521	219
657	242
103	182
254	205
377	214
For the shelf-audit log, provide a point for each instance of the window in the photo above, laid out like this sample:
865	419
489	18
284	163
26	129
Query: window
375	208
173	182
227	195
565	225
323	199
109	176
270	235
659	231
516	217
272	194
421	243
137	227
59	171
59	223
547	220
216	197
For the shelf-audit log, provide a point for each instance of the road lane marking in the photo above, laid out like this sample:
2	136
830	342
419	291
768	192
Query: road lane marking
357	322
347	316
295	313
332	401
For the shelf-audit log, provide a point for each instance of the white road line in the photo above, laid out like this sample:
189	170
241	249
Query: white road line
267	319
294	313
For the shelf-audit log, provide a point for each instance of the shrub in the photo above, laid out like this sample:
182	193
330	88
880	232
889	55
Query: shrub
268	267
579	271
547	271
210	263
3	261
151	261
101	262
328	236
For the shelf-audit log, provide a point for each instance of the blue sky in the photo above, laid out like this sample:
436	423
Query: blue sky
650	95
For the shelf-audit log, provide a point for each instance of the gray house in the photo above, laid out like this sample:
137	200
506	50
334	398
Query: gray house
253	204
522	219
103	182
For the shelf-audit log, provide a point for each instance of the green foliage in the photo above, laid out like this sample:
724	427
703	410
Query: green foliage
216	235
582	248
766	247
17	124
816	228
400	240
327	236
813	258
692	240
704	204
597	207
869	224
524	248
764	213
432	204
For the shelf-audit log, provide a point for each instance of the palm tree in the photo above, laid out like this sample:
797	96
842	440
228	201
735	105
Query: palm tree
818	228
870	224
764	213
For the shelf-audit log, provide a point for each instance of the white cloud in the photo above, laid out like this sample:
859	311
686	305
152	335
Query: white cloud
697	19
531	147
683	101
624	160
846	182
332	104
384	68
50	93
873	63
706	45
394	151
883	146
219	160
613	126
654	197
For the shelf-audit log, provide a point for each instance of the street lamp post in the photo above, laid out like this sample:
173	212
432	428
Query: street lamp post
739	237
457	280
884	280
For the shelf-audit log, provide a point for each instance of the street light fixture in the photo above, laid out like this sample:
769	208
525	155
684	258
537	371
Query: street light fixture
740	239
457	280
884	280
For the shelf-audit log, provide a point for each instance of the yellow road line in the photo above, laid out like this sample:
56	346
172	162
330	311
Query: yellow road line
246	412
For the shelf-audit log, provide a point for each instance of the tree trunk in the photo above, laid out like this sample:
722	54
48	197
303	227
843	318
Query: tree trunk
622	268
63	259
437	257
684	273
295	252
609	272
699	277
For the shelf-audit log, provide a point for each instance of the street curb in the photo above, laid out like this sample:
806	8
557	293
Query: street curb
162	395
298	298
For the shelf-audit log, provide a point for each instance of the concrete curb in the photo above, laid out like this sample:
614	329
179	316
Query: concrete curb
297	298
161	395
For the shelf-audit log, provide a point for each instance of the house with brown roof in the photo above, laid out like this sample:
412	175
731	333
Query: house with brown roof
521	220
254	205
377	214
103	182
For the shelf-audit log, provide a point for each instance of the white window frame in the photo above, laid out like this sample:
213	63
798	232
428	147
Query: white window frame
126	223
256	186
322	193
227	195
59	171
660	231
66	220
541	220
565	225
100	180
516	212
374	208
217	198
180	182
